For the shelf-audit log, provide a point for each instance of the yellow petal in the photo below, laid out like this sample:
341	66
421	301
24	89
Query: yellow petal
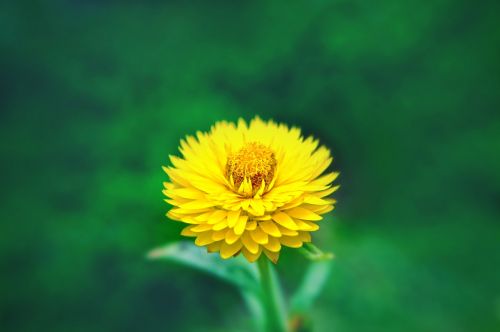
214	247
286	231
229	250
231	237
240	225
203	217
311	199
172	201
294	203
325	209
204	238
325	179
232	218
291	241
216	216
201	228
305	225
219	235
220	225
198	204
174	216
257	208
250	256
264	217
284	220
259	192
175	177
245	204
189	211
303	214
321	167
251	225
249	243
270	228
189	193
326	192
245	188
186	231
273	244
305	236
273	256
259	236
168	185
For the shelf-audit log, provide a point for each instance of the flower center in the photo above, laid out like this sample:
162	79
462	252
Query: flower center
255	162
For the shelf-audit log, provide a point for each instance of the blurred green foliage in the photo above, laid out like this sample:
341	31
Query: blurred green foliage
96	94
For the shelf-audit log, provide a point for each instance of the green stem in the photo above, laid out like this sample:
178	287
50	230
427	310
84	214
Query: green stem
272	297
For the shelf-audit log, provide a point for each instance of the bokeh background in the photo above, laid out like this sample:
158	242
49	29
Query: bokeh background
95	95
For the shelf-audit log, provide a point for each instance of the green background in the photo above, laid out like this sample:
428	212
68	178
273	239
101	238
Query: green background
95	95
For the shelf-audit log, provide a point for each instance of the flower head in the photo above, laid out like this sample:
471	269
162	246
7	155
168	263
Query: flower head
250	188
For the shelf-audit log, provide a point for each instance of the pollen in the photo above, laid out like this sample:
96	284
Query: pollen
255	162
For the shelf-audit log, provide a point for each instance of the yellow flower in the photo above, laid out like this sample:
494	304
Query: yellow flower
250	189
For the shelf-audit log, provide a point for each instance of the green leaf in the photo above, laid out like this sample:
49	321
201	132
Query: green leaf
312	284
237	271
311	252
